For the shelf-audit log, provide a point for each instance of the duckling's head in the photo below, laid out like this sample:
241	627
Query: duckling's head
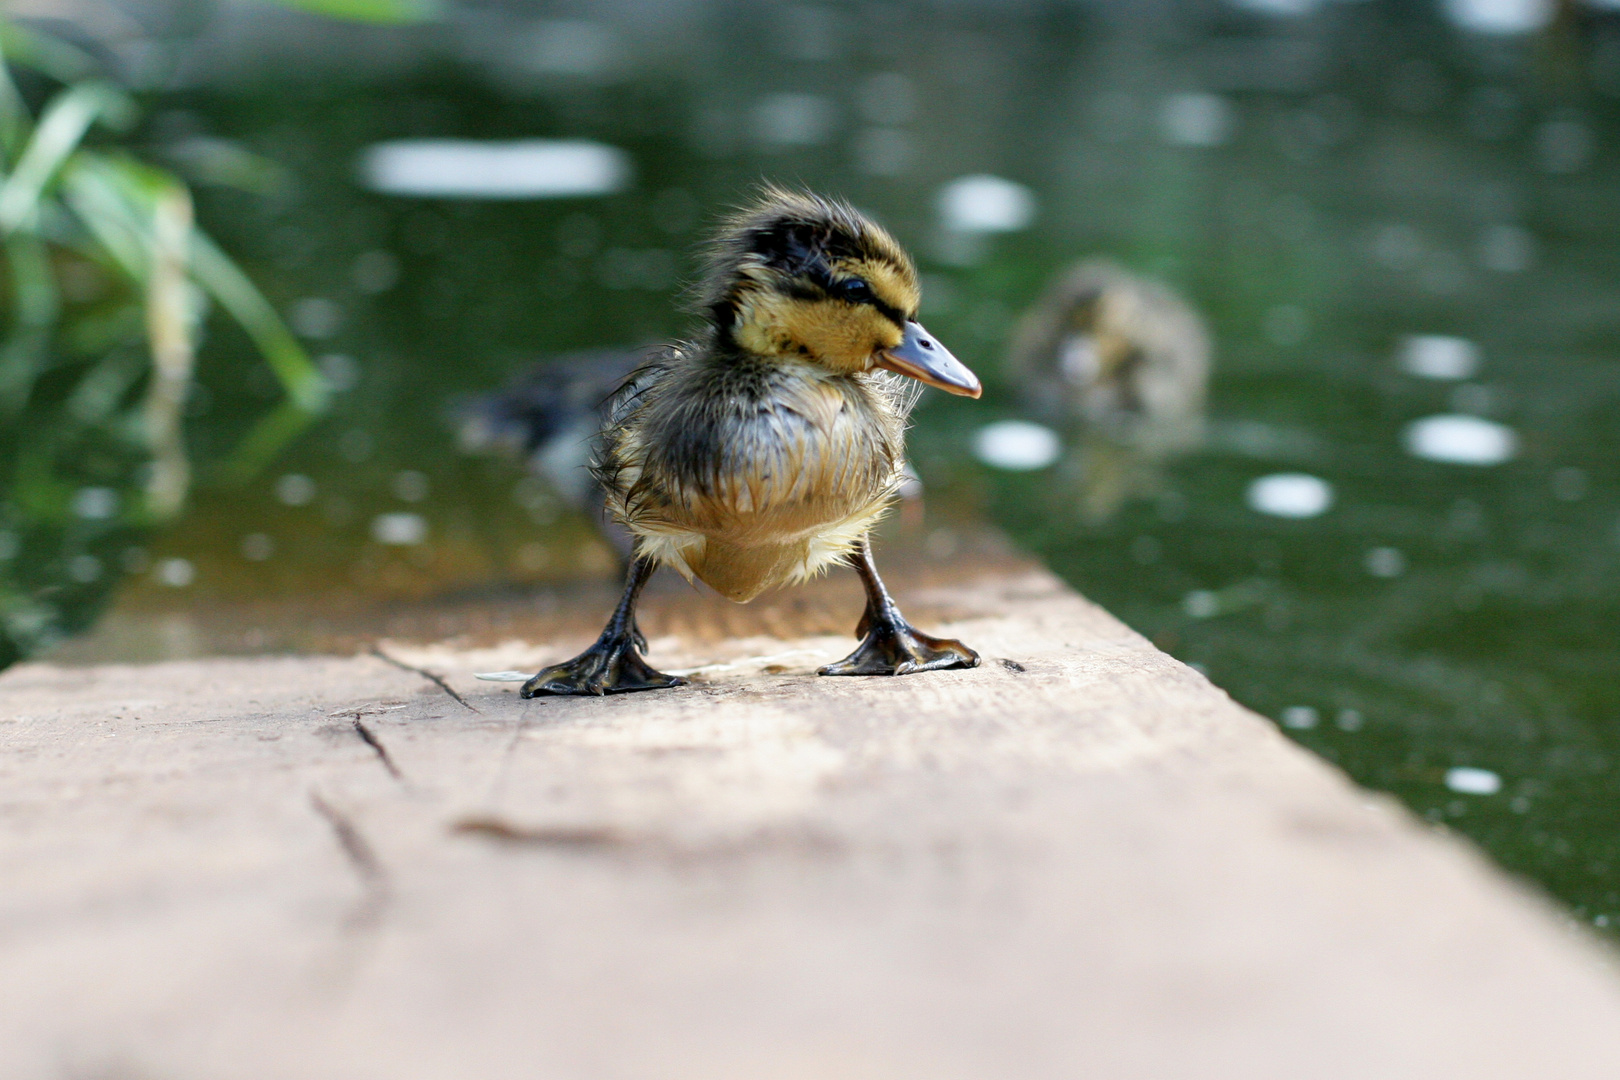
797	277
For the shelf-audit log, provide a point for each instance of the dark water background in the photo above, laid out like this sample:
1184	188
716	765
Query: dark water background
1371	172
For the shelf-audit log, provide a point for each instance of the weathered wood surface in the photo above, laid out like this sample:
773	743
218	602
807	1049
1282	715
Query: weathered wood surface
1096	866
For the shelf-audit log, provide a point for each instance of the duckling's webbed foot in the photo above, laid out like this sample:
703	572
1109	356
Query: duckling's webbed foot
608	667
613	665
900	649
890	645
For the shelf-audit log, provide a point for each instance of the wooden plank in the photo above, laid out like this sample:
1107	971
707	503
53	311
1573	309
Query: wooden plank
1087	862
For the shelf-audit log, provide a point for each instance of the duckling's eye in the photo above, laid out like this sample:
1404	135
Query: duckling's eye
855	291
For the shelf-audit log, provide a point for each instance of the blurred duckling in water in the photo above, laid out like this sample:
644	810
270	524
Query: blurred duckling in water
1126	361
1122	355
764	451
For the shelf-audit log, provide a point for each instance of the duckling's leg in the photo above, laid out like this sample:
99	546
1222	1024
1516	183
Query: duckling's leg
889	644
613	665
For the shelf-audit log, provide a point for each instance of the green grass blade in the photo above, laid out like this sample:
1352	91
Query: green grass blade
14	118
101	197
37	304
267	439
62	126
372	11
214	271
171	337
46	54
206	160
118	201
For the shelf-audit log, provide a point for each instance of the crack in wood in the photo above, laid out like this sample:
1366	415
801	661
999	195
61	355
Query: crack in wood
437	680
369	737
804	842
361	856
354	845
560	836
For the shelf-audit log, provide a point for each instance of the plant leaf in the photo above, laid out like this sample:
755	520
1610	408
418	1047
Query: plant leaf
100	191
261	445
37	304
372	11
208	160
118	200
14	118
171	336
214	271
46	54
61	127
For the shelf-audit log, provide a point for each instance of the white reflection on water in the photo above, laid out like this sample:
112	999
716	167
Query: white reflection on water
1506	249
521	169
1197	119
316	317
341	371
985	204
1385	562
1500	16
1471	781
1300	717
794	120
1288	8
1564	145
295	489
410	485
1290	495
565	47
1017	445
888	99
399	529
1438	356
1461	440
95	503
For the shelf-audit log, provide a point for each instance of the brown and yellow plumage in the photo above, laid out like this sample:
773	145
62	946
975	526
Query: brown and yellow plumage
764	451
749	473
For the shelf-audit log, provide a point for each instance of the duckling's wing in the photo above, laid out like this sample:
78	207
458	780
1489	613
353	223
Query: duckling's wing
612	455
630	394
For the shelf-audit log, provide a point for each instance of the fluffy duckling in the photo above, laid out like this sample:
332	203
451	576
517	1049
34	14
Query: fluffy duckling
1124	355
765	450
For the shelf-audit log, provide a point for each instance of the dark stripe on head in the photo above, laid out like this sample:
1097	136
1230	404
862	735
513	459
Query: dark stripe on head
801	236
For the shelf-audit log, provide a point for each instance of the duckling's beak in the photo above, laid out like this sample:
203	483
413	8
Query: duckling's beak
926	360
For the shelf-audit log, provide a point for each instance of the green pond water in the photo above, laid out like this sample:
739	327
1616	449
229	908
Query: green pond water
1321	187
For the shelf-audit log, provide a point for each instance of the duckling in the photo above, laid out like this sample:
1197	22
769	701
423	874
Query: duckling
763	451
1123	355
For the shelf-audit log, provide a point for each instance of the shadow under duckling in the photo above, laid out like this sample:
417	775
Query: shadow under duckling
763	451
1125	361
